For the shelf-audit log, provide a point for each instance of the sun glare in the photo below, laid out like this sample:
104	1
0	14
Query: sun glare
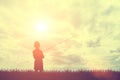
41	27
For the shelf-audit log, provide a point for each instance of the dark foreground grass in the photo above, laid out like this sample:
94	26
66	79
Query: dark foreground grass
80	75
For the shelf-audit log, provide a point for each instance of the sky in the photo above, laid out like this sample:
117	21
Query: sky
74	34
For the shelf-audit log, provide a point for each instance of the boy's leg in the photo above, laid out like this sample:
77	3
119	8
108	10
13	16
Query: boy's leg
41	67
36	70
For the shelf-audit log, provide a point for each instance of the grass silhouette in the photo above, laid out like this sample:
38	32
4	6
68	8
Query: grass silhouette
56	75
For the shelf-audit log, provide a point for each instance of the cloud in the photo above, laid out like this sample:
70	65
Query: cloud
115	51
94	43
4	2
66	60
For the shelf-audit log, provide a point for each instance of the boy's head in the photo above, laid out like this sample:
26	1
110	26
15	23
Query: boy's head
36	44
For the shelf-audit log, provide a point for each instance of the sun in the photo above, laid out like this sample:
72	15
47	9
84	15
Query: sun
41	27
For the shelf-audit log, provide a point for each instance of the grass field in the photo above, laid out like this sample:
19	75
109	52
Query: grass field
67	75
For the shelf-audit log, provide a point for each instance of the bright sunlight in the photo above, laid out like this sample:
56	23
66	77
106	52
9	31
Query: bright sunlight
41	27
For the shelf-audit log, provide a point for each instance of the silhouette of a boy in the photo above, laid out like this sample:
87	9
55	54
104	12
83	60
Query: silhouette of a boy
38	56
